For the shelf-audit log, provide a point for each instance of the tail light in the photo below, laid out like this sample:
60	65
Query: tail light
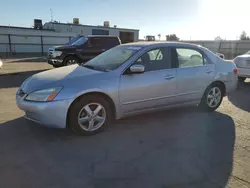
235	71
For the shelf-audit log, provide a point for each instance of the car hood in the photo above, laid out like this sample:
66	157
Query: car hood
56	78
65	47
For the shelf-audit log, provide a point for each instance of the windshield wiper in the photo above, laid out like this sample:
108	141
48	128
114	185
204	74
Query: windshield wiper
89	66
95	68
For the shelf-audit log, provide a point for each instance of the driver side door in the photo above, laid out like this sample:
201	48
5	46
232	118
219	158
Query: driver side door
156	87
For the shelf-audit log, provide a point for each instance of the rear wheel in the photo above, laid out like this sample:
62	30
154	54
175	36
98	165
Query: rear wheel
212	98
90	115
71	60
242	79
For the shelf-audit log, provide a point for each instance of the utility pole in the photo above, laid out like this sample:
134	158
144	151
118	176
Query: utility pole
51	15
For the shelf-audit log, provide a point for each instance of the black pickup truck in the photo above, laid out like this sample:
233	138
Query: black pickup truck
82	50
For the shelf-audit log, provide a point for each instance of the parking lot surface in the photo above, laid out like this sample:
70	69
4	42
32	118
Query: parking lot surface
168	149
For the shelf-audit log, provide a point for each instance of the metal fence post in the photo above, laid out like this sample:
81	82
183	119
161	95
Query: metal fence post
219	47
10	44
236	50
42	45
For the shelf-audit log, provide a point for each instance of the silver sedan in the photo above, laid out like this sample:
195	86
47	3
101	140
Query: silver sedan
127	80
243	64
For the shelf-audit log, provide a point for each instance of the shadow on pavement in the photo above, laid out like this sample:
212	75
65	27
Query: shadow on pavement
174	148
16	79
240	98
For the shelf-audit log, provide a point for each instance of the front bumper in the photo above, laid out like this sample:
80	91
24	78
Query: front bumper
51	114
243	72
57	62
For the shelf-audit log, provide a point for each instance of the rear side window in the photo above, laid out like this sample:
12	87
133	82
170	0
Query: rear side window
95	42
189	57
104	42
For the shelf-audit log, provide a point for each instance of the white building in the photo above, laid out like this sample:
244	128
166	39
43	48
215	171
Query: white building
19	40
126	35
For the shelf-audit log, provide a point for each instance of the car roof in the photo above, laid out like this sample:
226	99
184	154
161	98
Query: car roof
162	43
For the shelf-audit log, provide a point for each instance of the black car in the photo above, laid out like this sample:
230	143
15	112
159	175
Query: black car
82	50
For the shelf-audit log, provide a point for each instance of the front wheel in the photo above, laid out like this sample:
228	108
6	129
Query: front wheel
90	115
212	98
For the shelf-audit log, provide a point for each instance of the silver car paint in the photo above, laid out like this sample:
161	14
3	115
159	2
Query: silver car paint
243	63
130	93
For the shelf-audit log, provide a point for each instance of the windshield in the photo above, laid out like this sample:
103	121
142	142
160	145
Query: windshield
80	41
74	39
112	58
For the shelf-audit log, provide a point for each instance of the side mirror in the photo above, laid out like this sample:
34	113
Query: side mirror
137	69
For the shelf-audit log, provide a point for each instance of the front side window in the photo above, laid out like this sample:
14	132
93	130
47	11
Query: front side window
156	59
189	57
95	42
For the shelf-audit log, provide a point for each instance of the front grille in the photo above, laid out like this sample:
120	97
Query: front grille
50	52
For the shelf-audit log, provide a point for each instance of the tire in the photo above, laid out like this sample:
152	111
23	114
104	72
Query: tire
71	60
212	98
242	79
83	110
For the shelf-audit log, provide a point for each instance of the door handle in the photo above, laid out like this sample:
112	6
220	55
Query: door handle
169	77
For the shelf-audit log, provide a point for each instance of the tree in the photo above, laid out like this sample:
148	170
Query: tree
159	36
218	38
172	37
244	36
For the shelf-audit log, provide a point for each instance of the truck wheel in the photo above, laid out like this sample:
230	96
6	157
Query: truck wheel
71	60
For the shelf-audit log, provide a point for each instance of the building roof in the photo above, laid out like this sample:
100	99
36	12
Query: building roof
96	26
99	36
26	28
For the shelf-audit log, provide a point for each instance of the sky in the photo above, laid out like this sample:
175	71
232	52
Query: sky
188	19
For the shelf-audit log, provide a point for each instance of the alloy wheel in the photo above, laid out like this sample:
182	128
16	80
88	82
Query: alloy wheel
214	97
91	117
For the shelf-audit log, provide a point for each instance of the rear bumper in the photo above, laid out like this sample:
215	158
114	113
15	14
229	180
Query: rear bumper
243	72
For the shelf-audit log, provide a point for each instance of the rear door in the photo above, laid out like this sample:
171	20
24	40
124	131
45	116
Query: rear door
194	73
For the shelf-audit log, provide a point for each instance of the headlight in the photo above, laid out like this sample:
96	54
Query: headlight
57	53
43	95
